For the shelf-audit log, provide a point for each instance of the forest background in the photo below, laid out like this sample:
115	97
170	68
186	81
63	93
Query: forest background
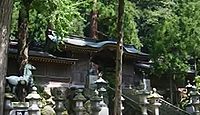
168	30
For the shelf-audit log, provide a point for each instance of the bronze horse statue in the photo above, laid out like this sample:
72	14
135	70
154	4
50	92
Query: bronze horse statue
18	83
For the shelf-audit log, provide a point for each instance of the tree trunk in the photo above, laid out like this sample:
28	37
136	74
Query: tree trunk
93	23
172	89
118	87
22	44
23	36
195	66
5	19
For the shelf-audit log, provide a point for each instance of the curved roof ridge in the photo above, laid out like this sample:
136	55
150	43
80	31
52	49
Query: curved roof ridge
86	42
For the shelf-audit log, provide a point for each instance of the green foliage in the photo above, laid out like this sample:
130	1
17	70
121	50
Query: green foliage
108	15
189	13
48	110
63	15
197	80
14	23
67	18
168	30
168	49
130	26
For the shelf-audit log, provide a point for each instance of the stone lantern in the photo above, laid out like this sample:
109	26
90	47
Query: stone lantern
58	98
79	99
59	107
194	99
33	98
100	82
143	94
188	87
95	104
154	98
101	85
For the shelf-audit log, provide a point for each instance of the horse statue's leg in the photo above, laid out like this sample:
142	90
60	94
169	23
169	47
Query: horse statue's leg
20	90
9	87
14	89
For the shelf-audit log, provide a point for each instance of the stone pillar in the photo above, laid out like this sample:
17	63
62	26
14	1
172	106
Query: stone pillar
154	98
33	98
189	107
8	105
143	94
79	99
104	108
59	107
95	106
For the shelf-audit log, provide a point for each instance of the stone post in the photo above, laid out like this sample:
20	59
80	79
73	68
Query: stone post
189	107
104	108
194	95
8	105
79	99
143	94
33	98
95	106
154	98
59	107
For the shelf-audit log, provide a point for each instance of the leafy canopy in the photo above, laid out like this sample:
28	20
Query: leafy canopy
69	17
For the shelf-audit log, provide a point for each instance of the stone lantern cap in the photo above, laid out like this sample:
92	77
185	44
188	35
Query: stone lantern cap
154	94
188	85
100	81
79	97
33	94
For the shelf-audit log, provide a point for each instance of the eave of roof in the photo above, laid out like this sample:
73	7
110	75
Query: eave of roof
43	56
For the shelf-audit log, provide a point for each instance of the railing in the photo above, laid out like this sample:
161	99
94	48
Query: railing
166	108
131	104
134	99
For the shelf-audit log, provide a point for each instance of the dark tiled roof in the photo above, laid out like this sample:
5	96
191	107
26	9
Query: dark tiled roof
94	44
